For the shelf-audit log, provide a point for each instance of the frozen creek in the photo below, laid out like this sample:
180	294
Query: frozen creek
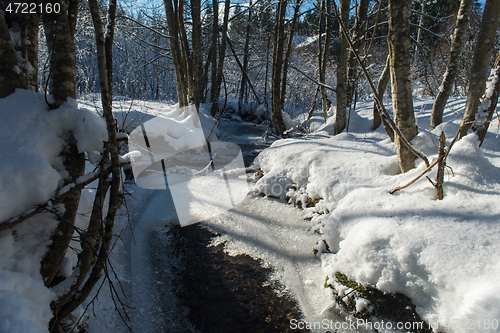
248	270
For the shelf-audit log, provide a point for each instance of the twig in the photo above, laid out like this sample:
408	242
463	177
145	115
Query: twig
313	80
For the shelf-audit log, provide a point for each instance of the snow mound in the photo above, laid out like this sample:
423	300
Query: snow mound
443	254
31	139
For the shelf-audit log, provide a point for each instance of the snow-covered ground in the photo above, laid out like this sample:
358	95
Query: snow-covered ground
444	254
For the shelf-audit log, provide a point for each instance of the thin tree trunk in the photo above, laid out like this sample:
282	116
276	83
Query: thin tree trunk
214	47
340	117
489	105
220	62
173	30
325	57
453	63
481	62
187	61
242	100
289	52
197	69
384	79
279	41
402	100
361	17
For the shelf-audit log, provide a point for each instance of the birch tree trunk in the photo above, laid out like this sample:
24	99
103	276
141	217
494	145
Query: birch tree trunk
324	53
453	63
402	100
489	105
340	117
481	62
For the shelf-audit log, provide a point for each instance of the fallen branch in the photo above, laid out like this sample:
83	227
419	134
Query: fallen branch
414	179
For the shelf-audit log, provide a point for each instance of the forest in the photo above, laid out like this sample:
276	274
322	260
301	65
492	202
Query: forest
407	87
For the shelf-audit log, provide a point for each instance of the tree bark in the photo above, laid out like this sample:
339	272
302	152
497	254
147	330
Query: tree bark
489	105
481	62
402	100
197	70
213	55
361	17
61	47
186	55
378	116
279	44
453	63
243	87
10	78
324	56
288	52
173	30
340	117
220	62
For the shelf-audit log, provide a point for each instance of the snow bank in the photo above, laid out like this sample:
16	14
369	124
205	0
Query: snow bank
31	170
32	137
444	254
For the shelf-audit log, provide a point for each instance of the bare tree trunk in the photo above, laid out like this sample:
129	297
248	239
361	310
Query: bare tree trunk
340	117
243	86
324	56
72	299
453	63
402	100
173	30
63	67
361	17
197	70
187	61
214	47
384	79
61	47
279	43
220	62
10	79
489	105
289	51
481	62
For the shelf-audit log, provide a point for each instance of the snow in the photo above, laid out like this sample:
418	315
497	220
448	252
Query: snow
32	137
31	170
442	254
